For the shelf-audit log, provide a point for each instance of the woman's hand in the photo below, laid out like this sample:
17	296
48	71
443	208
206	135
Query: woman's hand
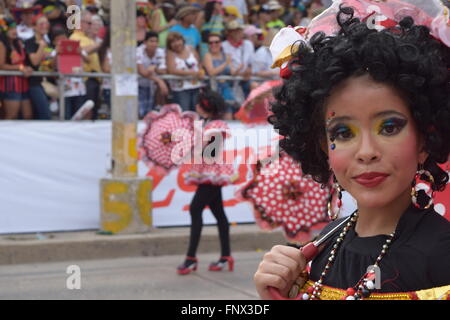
201	74
280	268
27	71
172	23
228	60
163	89
42	43
151	71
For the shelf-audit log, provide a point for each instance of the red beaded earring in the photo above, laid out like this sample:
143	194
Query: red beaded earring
421	172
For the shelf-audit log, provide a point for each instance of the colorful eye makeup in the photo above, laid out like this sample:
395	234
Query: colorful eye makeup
343	131
390	126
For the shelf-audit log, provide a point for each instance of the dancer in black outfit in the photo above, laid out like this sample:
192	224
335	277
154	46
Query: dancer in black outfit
210	179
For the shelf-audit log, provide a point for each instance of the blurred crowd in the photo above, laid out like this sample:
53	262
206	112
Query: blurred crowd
193	39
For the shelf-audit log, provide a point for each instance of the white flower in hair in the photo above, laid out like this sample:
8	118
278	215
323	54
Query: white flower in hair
285	42
281	47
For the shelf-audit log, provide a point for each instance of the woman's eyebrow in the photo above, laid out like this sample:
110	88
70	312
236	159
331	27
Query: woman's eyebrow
381	114
388	113
332	120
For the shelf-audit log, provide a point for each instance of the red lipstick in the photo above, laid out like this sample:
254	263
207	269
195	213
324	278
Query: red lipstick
371	179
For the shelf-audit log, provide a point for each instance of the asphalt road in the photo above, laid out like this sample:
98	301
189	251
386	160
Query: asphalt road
148	278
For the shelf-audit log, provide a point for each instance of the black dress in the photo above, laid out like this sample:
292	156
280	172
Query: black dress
418	257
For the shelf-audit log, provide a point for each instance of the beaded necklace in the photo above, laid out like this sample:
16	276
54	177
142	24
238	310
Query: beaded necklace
364	286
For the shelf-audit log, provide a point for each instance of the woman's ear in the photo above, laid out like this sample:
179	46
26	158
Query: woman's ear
423	156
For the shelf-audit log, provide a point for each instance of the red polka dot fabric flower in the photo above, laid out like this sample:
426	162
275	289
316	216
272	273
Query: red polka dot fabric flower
167	135
282	196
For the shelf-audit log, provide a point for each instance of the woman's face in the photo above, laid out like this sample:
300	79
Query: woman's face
42	26
218	7
373	144
12	33
214	44
177	45
141	22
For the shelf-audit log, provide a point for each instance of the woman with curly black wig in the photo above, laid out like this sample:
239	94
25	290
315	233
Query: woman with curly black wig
209	175
368	110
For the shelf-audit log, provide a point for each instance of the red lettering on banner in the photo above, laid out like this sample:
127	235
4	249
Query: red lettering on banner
180	180
166	202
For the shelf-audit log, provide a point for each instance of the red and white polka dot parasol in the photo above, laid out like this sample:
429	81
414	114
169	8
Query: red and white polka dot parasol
282	196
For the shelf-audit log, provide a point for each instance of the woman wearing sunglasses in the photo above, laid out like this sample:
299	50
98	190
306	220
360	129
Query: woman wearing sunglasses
183	60
217	63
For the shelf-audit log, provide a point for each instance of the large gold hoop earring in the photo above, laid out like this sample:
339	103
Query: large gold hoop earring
332	214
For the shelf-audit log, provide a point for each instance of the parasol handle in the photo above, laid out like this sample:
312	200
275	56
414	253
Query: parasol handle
309	251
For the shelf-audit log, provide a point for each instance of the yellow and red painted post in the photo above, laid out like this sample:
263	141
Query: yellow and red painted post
125	200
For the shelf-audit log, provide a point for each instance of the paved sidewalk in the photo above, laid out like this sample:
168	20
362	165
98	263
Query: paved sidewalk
152	278
88	245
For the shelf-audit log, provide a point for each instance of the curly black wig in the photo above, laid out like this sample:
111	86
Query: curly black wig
406	57
212	102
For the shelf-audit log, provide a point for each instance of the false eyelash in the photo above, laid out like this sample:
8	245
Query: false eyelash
397	123
336	130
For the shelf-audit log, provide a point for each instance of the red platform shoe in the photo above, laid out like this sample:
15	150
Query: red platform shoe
219	265
189	265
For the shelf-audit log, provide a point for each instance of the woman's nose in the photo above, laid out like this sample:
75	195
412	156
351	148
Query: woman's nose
368	150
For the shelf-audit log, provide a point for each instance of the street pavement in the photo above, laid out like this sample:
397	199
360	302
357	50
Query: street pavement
149	278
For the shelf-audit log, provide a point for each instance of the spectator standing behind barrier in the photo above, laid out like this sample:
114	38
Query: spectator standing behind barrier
74	87
241	52
264	17
262	59
55	10
186	17
217	63
275	8
183	60
151	62
14	90
141	26
91	61
24	17
162	19
38	51
212	23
